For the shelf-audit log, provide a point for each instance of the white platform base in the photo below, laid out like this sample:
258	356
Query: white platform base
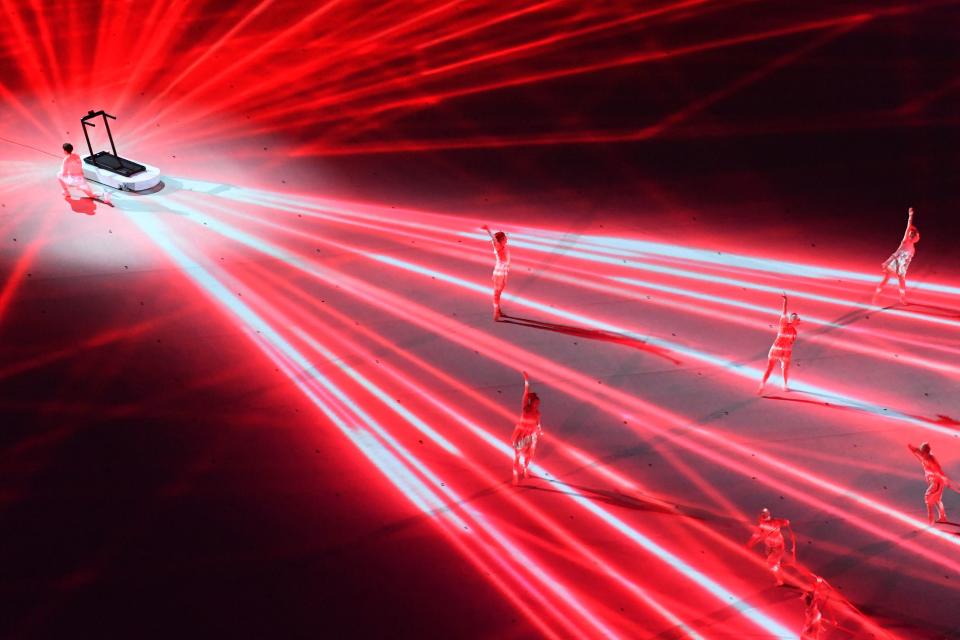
137	182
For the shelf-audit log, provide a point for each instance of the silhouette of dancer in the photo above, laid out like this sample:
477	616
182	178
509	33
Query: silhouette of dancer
501	269
815	602
936	479
782	347
527	433
899	260
768	530
71	175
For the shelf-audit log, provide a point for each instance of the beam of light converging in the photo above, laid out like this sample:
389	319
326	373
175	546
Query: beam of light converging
686	273
9	98
343	92
299	295
641	540
462	390
274	40
731	367
569	541
692	273
753	376
241	237
418	391
773	463
393	405
360	88
741	370
636	247
29	60
388	455
444	277
458	51
503	449
613	252
298	373
213	48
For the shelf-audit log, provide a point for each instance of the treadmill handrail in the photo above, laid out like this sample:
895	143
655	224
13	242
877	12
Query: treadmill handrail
96	114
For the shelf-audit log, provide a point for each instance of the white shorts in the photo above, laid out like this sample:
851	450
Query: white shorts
74	181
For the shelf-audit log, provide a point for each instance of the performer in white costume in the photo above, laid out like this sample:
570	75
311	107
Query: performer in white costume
502	267
768	530
899	261
782	348
527	433
71	175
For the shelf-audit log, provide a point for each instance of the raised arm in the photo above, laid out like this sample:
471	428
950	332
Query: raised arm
783	311
489	233
526	391
915	451
906	232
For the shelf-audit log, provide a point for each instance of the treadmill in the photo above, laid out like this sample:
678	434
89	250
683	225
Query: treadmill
104	159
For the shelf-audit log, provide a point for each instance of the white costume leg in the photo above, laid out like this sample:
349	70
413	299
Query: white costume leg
771	363
883	283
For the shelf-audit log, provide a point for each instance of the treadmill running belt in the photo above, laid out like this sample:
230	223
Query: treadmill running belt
110	162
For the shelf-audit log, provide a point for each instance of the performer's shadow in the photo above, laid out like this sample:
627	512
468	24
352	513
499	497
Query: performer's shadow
590	334
809	400
931	310
85	206
623	500
941	420
854	315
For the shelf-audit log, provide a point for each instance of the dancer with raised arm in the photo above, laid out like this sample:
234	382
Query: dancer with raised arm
527	433
782	347
936	479
768	530
71	175
899	260
502	267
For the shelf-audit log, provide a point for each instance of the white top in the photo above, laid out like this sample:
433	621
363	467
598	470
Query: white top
72	167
